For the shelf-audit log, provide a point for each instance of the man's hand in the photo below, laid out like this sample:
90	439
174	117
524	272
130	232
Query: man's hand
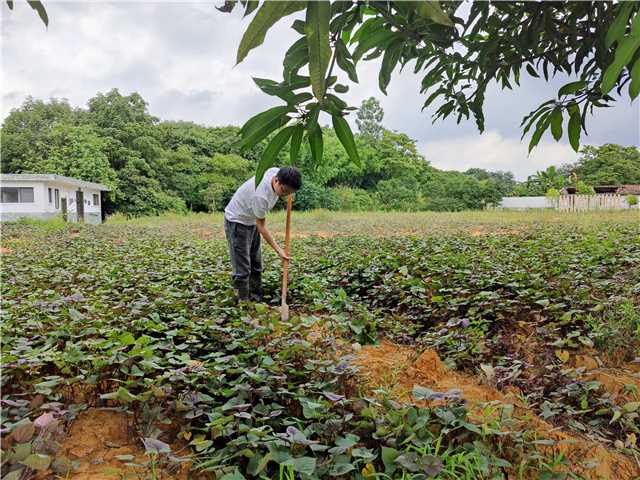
283	256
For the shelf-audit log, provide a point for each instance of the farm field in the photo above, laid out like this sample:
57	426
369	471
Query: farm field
451	346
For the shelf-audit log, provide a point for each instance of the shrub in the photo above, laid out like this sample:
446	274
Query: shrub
353	199
313	196
584	189
632	200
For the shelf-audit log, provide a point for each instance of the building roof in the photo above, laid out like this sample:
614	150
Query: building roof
618	189
629	190
49	177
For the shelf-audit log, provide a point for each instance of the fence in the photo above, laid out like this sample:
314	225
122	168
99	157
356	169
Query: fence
583	203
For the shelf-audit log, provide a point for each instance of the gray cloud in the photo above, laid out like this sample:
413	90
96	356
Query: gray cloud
180	57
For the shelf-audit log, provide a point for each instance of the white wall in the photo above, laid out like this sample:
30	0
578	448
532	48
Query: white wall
42	208
522	203
39	198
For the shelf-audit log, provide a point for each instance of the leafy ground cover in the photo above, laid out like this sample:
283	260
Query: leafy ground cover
484	345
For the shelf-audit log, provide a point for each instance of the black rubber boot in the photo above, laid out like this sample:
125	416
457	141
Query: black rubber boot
242	292
255	287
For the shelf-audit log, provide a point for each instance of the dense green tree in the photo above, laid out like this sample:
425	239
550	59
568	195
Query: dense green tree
608	165
369	118
458	48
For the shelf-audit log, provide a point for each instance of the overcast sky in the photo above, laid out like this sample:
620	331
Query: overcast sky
180	57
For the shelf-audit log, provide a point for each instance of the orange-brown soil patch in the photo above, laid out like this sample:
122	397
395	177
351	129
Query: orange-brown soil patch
398	369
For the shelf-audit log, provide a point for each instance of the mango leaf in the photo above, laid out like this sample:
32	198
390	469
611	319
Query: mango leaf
556	123
263	124
389	61
266	17
624	53
378	39
619	25
296	57
263	118
541	127
271	152
572	87
344	134
316	144
562	355
433	10
634	88
39	8
317	33
574	127
296	140
344	60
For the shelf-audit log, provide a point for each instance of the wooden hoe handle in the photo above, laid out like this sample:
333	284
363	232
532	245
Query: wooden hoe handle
287	240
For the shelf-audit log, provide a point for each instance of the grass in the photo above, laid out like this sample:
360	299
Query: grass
330	223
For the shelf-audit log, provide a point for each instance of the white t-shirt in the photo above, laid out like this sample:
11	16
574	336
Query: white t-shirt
249	203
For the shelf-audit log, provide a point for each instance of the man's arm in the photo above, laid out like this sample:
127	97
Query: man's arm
261	225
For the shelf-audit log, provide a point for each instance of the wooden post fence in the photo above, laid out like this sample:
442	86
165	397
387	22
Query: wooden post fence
583	203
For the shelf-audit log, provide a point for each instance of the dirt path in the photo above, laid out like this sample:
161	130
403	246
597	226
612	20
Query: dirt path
398	369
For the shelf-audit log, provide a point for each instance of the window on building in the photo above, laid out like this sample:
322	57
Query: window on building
26	195
57	197
50	196
16	194
96	199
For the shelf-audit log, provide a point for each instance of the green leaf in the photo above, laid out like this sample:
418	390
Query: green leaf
263	118
343	131
574	129
619	25
251	6
266	17
630	407
42	12
532	71
572	87
389	61
236	475
306	465
271	152
37	461
378	39
624	53
296	140
341	88
556	123
257	129
634	88
296	57
317	32
433	11
316	144
344	60
541	126
389	456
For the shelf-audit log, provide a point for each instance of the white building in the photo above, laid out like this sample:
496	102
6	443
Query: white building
46	196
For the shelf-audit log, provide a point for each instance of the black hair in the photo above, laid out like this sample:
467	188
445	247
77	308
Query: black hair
290	176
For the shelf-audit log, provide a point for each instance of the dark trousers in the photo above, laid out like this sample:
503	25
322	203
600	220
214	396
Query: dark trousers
246	259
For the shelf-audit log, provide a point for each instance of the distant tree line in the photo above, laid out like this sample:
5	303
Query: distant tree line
155	166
